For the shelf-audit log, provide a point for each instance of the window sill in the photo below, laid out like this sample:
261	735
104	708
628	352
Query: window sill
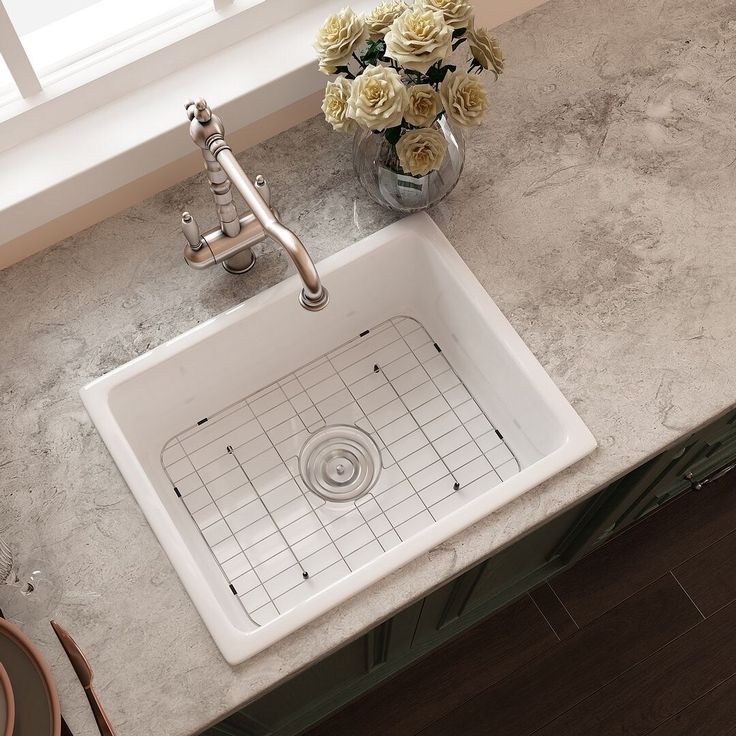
56	173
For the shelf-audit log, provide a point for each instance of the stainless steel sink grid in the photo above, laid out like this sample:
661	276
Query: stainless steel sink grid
276	541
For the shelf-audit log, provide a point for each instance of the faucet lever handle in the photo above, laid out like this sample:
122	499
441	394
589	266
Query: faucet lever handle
198	109
191	231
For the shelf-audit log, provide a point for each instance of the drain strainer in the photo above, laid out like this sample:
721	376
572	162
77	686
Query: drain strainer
340	462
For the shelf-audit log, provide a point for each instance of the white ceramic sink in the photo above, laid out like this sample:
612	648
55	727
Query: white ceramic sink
286	460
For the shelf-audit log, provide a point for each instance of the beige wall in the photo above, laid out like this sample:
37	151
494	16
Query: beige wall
492	13
488	13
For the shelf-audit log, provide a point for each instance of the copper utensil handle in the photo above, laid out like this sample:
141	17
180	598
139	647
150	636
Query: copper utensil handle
65	730
103	722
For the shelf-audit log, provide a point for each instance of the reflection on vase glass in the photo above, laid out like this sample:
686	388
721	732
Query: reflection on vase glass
378	169
34	590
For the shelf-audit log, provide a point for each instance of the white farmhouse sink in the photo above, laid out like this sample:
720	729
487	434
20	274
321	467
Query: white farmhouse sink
287	460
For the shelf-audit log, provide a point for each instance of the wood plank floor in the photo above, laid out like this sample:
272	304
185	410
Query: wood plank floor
638	638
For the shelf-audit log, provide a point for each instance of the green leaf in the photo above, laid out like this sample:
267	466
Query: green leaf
459	32
393	135
436	75
344	70
374	51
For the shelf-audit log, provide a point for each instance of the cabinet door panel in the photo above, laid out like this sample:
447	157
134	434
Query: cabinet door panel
704	453
309	689
533	552
439	606
329	683
481	590
392	640
652	484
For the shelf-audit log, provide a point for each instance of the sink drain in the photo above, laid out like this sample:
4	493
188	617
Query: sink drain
340	462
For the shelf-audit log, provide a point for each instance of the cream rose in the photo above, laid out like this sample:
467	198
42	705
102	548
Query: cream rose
457	13
382	16
335	105
340	35
418	38
423	106
464	98
485	49
377	99
421	151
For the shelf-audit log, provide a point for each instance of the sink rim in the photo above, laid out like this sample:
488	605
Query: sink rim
236	644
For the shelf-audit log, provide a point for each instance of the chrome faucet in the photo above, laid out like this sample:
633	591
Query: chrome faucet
230	243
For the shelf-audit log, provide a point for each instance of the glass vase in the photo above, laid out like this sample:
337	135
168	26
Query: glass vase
378	170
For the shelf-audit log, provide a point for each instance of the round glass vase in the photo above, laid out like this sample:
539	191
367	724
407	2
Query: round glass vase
378	170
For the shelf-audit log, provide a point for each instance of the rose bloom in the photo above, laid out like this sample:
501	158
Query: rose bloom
335	105
464	98
423	106
377	99
338	37
485	49
418	38
457	13
421	151
382	16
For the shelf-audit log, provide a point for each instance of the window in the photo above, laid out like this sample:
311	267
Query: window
8	89
57	36
96	104
61	58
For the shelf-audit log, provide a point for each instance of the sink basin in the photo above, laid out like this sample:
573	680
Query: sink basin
287	460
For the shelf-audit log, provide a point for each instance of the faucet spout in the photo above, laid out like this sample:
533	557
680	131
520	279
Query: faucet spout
313	295
207	131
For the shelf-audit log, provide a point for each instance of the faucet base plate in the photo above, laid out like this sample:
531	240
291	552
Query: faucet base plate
240	263
311	305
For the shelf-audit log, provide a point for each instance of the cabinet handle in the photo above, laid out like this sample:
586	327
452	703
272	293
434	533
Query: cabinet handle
697	485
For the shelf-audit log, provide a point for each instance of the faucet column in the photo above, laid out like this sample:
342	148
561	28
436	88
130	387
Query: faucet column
223	195
221	189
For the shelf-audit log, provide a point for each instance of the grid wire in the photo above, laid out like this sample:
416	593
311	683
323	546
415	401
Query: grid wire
276	542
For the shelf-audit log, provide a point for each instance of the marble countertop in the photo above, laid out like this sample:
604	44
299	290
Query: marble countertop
597	208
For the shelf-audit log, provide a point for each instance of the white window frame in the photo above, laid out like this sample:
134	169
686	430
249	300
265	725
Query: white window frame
102	148
62	94
16	58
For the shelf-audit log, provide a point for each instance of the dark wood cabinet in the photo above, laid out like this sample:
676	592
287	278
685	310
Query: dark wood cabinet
680	468
427	623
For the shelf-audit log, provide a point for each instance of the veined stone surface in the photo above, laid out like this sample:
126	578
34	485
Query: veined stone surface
597	207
